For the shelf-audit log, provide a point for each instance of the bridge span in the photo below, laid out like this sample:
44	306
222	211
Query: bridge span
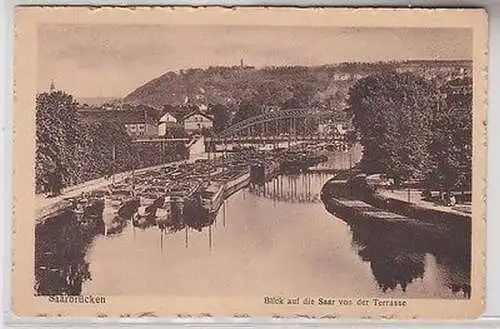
218	144
293	121
276	129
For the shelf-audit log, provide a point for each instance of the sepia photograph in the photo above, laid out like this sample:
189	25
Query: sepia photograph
293	167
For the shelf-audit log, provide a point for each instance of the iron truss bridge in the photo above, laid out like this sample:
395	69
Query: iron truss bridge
160	140
276	116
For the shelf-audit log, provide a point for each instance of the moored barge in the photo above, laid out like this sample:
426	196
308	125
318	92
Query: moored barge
213	196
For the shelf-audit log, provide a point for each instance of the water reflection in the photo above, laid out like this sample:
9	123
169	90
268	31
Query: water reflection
392	263
398	254
294	188
398	258
263	240
60	247
62	242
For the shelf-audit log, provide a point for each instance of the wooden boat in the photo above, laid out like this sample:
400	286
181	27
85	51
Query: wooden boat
213	196
143	217
150	199
187	196
113	224
235	183
121	202
162	217
262	171
123	193
78	209
152	196
112	205
87	206
171	213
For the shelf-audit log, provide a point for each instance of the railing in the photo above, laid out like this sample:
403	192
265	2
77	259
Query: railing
159	140
217	139
273	116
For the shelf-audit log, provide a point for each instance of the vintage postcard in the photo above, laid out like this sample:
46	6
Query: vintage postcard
259	162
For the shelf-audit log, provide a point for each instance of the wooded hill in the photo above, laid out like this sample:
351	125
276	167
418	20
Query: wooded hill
325	85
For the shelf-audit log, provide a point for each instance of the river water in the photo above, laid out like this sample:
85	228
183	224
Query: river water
277	240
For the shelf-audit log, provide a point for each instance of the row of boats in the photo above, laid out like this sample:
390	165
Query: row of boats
181	194
171	198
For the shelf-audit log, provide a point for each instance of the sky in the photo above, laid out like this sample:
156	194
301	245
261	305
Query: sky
113	60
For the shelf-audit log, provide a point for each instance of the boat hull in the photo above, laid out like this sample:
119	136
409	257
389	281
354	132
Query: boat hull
236	184
212	205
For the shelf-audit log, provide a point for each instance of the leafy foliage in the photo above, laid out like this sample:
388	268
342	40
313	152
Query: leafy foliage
247	109
70	151
411	128
451	145
175	130
393	113
57	137
221	116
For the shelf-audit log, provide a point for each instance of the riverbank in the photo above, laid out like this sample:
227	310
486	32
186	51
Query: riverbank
280	160
416	199
397	201
339	201
358	204
49	206
252	231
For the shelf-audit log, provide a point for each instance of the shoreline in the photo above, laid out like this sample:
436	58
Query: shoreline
51	206
341	201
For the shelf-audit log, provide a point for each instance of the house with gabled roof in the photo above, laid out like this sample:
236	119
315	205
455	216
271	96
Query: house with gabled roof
139	121
197	121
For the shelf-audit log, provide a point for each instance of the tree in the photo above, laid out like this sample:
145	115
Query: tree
221	117
393	112
57	136
291	103
175	130
451	143
248	108
273	91
71	151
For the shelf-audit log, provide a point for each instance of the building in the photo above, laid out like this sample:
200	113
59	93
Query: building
342	77
139	121
333	128
167	121
168	117
197	121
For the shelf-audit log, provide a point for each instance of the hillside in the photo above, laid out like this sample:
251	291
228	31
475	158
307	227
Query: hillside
325	85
